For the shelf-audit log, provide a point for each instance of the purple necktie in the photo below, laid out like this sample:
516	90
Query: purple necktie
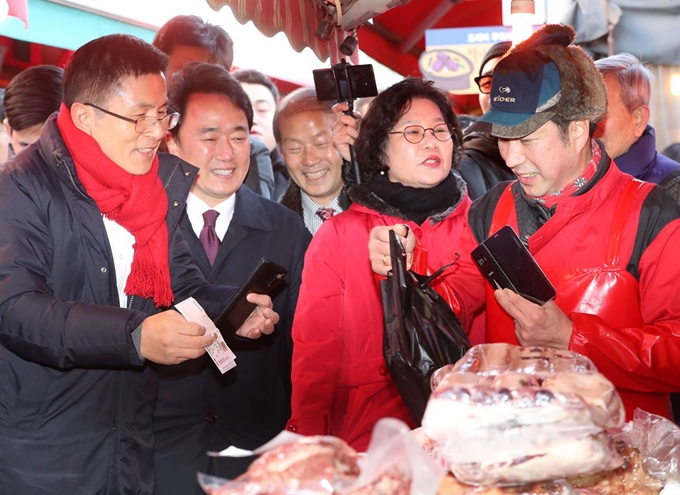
325	213
208	237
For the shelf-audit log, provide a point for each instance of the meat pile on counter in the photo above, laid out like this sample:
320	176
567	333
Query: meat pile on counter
628	479
507	415
312	465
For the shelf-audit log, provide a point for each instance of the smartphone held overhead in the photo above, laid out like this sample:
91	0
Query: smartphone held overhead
507	264
345	82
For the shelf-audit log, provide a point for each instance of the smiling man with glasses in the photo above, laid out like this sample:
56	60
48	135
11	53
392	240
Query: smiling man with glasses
144	124
92	261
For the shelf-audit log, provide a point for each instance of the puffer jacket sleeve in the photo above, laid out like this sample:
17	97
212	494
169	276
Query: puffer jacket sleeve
317	335
464	280
35	323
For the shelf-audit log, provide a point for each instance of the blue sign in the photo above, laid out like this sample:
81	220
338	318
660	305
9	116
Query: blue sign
467	36
453	55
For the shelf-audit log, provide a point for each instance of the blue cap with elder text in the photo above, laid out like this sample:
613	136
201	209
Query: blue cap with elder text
526	88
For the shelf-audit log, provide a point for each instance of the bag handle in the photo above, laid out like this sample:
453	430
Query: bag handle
430	278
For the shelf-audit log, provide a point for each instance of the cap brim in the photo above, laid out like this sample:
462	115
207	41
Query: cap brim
510	125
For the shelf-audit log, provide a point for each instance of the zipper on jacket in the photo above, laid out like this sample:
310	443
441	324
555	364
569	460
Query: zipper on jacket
73	181
172	174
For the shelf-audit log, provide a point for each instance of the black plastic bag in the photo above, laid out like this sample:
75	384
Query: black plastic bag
421	331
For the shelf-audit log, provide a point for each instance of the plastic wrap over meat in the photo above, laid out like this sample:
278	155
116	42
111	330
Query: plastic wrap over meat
393	465
507	414
309	465
496	358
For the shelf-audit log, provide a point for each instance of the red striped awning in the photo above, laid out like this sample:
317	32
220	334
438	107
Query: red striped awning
299	19
395	37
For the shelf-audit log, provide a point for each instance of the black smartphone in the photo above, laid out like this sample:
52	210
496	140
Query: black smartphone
263	280
508	264
344	82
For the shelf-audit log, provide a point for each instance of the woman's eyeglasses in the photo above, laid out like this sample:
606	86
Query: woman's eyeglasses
416	133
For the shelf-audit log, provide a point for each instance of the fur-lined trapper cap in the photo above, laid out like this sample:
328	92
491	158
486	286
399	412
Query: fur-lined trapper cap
544	76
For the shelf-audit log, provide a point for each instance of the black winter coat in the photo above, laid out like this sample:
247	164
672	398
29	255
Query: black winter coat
76	400
482	166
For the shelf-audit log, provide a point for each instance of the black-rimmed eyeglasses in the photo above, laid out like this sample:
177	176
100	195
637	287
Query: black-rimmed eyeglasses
484	84
416	133
144	124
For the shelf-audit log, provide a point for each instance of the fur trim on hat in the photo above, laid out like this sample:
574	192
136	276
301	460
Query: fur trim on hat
584	95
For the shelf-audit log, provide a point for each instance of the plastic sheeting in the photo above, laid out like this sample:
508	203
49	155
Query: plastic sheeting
647	29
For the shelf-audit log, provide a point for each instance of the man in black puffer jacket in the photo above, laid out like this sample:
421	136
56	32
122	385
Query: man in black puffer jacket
91	260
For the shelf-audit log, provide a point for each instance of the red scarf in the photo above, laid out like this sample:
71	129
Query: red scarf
549	200
136	202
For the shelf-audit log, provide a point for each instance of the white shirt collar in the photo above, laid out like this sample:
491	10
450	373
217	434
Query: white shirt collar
196	207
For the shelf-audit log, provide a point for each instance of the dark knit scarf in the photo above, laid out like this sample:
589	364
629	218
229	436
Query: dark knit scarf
416	203
136	202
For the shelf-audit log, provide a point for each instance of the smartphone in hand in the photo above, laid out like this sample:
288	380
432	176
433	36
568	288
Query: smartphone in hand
507	263
263	280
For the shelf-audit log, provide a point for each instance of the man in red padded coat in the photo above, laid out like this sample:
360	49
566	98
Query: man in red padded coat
607	241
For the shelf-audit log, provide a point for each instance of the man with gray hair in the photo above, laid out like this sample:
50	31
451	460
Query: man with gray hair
625	132
303	128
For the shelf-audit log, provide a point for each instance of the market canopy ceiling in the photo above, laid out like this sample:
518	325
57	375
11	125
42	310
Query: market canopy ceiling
396	35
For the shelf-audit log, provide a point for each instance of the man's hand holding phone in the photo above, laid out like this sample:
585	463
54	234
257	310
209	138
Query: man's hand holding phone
262	320
536	325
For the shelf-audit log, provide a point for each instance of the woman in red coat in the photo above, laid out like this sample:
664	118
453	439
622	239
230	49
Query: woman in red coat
408	142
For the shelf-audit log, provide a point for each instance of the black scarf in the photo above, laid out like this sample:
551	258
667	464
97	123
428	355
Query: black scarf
416	203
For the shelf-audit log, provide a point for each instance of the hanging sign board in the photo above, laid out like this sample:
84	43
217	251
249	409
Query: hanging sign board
452	56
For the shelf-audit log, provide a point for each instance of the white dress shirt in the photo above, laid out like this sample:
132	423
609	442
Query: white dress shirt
196	207
121	242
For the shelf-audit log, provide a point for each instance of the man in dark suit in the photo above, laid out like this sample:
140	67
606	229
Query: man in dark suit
188	38
199	409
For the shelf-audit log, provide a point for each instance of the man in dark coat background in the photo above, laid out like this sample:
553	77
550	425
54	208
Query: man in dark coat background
625	130
483	167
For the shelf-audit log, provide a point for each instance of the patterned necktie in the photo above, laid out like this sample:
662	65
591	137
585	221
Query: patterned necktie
325	213
208	237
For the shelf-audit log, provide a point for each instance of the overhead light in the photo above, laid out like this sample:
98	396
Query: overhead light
522	19
675	84
325	29
348	46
